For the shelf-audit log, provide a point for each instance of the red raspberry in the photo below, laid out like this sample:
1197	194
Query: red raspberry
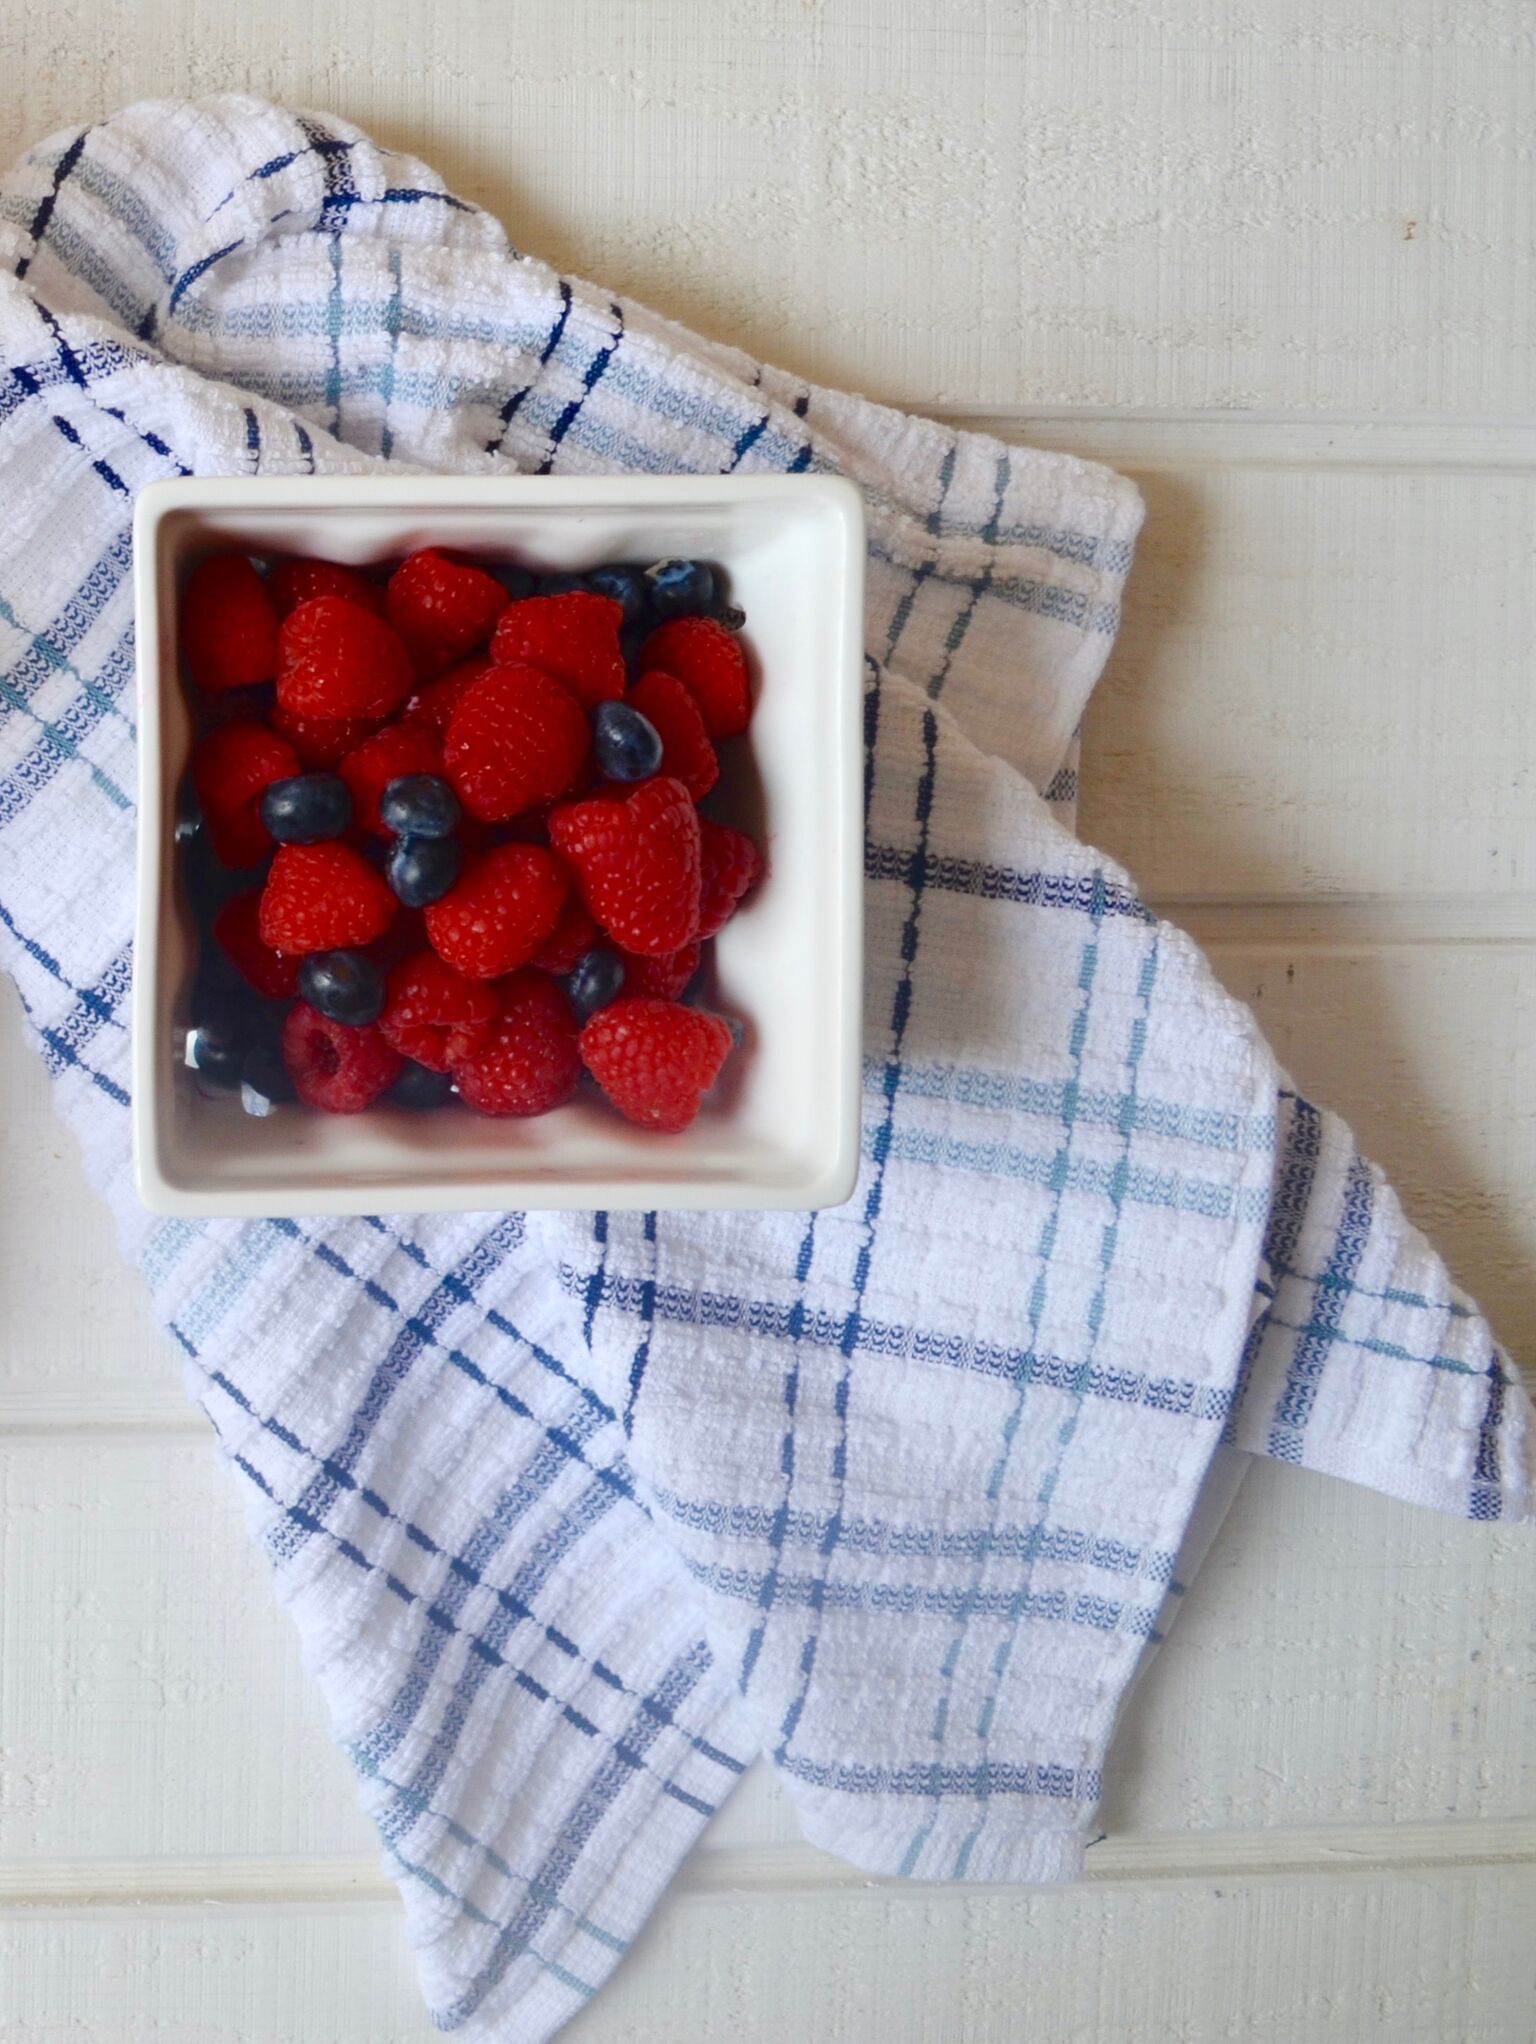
517	738
531	1062
661	979
335	1068
654	1059
730	866
336	659
571	938
228	625
370	767
574	637
434	1015
322	741
231	770
637	859
294	582
436	703
686	753
442	608
238	935
321	897
499	911
709	662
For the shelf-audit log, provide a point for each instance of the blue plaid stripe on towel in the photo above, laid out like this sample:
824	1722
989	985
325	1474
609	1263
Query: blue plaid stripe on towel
578	1515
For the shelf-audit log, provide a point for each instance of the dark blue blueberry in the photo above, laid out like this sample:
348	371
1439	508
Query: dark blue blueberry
627	586
209	885
732	616
307	808
422	869
627	745
681	588
343	985
420	805
737	1027
598	978
632	638
420	1089
264	1081
189	816
518	582
561	582
217	1039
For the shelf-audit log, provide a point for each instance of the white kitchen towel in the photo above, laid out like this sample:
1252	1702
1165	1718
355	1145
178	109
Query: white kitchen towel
578	1514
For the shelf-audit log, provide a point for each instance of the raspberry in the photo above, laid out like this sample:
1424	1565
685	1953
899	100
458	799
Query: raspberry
661	979
236	931
730	866
571	938
654	1059
322	741
573	637
323	897
709	662
531	1062
335	1068
336	659
231	770
442	608
434	1015
517	738
294	582
436	703
228	625
370	767
637	859
686	753
499	912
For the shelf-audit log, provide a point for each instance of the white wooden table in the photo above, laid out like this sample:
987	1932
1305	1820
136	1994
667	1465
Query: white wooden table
1277	261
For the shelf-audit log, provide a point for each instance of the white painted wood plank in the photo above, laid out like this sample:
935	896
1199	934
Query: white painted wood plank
1189	204
150	1688
1345	1659
1430	1052
1321	686
1358	1959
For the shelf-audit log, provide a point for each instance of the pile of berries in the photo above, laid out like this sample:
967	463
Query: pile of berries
443	833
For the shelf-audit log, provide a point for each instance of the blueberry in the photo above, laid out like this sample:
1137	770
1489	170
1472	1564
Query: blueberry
598	978
625	585
420	1089
561	582
627	745
681	588
518	582
217	1040
422	869
343	985
189	816
306	808
732	616
264	1081
419	805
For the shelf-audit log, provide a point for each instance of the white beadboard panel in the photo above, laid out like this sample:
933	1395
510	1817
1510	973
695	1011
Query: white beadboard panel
1344	1659
280	1974
77	1339
151	1694
1321	685
1369	1958
1429	1050
1186	204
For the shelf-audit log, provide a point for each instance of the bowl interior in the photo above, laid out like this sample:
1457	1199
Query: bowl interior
780	1127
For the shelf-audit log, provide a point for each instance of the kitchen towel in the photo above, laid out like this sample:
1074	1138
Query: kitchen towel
579	1514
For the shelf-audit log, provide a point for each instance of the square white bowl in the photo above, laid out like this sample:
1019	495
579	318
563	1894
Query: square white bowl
782	1129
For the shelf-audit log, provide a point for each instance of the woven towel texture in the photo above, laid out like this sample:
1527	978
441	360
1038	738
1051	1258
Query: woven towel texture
577	1515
